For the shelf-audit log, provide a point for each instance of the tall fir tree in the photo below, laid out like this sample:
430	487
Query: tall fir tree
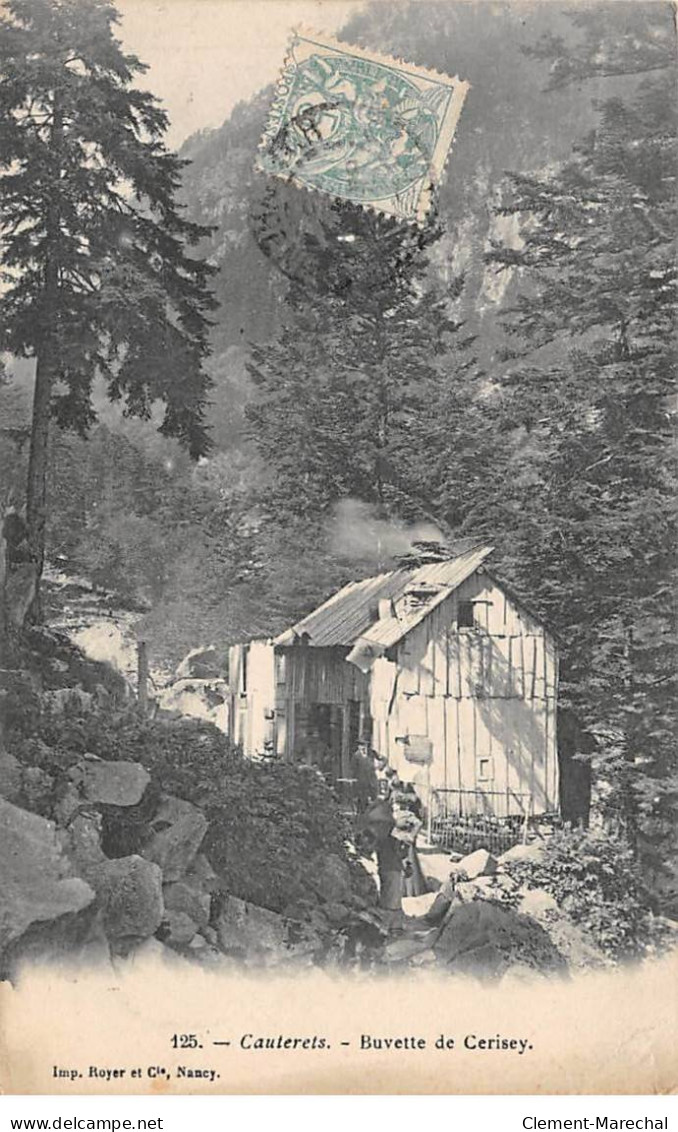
346	390
580	494
98	275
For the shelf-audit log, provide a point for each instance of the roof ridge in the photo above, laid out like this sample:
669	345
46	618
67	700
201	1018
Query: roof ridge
349	613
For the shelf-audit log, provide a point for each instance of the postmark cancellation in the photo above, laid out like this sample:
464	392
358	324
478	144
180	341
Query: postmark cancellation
361	126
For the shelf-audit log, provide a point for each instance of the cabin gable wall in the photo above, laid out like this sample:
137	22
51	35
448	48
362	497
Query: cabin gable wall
463	709
484	698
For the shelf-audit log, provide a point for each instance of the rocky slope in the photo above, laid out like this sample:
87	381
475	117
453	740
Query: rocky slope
100	858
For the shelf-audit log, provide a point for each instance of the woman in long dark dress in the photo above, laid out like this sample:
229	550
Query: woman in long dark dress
376	826
407	825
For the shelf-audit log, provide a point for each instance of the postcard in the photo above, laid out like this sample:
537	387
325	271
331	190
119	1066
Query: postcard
338	686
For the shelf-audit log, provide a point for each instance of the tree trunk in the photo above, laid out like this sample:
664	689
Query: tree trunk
36	488
142	674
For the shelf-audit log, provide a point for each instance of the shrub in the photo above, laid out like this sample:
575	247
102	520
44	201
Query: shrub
595	879
268	821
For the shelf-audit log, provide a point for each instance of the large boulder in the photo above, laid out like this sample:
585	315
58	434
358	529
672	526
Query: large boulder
260	937
330	878
484	939
82	842
67	803
37	884
436	867
111	783
201	663
177	929
199	699
75	940
71	701
532	854
201	876
405	948
572	941
129	892
419	905
441	905
37	789
178	829
182	896
478	864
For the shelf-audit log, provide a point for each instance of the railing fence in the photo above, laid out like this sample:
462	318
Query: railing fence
465	820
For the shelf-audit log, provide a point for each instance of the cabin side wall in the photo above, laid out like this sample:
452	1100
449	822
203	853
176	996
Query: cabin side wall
274	694
252	708
482	700
307	677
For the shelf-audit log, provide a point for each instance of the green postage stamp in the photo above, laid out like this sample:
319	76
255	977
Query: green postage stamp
361	126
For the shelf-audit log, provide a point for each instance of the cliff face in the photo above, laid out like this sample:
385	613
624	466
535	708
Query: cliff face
507	123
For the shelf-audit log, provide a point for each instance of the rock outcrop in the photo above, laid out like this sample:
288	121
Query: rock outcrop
38	884
197	689
484	939
177	832
71	889
111	783
260	938
129	892
484	921
199	698
201	662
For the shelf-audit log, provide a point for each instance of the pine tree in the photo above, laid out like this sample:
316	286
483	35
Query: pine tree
98	278
348	388
586	515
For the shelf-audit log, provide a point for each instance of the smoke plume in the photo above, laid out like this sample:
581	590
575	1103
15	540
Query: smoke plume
357	532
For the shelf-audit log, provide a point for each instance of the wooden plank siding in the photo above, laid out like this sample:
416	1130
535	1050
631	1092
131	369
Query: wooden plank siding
317	676
485	697
496	729
322	676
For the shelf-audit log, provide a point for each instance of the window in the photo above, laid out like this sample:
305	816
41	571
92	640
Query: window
485	769
465	618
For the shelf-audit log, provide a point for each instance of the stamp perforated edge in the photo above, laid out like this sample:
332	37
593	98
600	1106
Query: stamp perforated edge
443	147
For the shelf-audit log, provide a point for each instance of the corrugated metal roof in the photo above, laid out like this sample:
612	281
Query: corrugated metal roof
352	612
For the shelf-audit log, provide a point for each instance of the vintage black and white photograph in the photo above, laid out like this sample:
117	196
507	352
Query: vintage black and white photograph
338	488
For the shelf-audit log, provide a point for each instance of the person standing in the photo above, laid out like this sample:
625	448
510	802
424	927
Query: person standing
376	828
407	824
365	776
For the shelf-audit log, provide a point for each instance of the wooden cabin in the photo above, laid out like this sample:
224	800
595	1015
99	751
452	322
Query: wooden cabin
439	666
